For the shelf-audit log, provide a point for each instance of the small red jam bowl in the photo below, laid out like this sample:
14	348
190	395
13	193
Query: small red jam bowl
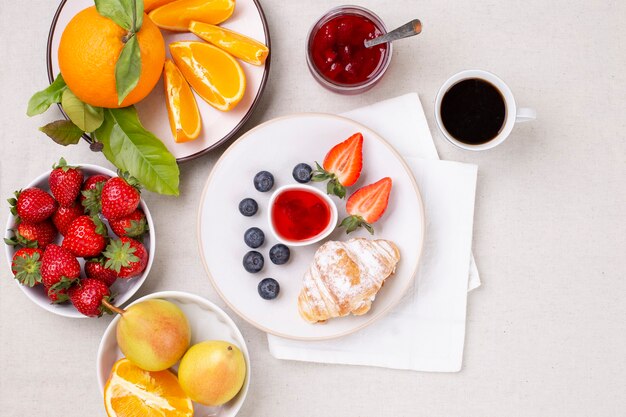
322	65
315	193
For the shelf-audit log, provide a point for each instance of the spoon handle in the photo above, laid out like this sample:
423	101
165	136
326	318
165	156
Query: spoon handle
414	27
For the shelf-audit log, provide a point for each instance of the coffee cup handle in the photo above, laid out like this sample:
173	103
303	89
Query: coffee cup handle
525	114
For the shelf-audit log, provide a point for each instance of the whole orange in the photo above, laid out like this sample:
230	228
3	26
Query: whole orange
88	52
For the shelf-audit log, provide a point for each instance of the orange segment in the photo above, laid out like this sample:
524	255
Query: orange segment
179	14
153	4
182	108
133	392
214	74
243	47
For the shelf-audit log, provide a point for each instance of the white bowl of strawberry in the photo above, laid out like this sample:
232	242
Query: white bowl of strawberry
79	234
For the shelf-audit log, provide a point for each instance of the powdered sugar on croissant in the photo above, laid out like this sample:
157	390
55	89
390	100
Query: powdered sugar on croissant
345	277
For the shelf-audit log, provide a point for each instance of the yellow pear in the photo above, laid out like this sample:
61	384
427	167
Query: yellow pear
212	372
153	334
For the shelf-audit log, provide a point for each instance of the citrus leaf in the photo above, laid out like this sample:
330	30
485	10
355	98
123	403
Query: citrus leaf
128	68
119	11
138	14
130	147
42	100
85	116
63	132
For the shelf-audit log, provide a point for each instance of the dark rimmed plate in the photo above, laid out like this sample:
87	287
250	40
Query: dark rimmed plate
218	127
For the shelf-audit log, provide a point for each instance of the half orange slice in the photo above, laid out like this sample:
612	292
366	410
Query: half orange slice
153	4
241	46
214	74
133	392
182	108
179	14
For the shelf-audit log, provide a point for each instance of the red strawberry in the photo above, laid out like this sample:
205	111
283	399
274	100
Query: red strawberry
65	182
342	165
90	297
26	266
33	205
367	205
85	237
91	192
132	225
58	295
120	197
127	257
59	270
42	233
64	216
94	268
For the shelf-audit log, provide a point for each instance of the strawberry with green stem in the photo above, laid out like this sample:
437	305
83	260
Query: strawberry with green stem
92	192
86	237
32	205
342	166
120	196
59	271
133	225
91	297
367	205
94	268
65	182
126	256
33	235
26	266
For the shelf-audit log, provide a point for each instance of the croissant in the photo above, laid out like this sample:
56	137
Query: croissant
345	277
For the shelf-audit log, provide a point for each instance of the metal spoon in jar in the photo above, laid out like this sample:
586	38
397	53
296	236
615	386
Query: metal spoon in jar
414	27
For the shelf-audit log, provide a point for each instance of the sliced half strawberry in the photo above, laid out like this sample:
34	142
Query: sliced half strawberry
367	205
342	165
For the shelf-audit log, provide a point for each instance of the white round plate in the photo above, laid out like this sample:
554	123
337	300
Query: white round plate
207	321
277	146
123	289
217	126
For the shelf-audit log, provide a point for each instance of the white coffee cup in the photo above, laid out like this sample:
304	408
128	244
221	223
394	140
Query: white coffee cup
513	114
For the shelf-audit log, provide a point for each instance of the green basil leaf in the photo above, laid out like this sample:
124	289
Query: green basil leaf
130	147
42	100
128	68
86	117
63	132
119	11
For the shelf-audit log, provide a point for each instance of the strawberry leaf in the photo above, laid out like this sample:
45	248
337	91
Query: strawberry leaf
128	68
352	223
42	100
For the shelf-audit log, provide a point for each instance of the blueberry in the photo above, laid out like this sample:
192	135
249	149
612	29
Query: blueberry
268	288
248	207
254	237
253	261
302	173
263	181
279	254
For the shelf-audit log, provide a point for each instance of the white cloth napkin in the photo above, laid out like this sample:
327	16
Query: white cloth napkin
426	331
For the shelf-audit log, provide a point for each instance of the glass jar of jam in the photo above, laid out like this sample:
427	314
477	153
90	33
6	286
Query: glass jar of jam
336	52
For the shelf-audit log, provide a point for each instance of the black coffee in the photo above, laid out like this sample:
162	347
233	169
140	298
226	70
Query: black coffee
473	111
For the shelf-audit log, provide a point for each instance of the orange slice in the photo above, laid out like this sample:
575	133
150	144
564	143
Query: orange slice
243	47
153	4
179	14
182	108
214	74
133	392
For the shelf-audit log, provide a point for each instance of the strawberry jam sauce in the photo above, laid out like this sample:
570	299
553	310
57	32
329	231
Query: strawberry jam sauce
300	215
339	53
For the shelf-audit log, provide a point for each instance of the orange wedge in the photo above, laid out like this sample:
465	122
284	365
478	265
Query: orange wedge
214	74
133	392
153	4
182	108
243	47
179	14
